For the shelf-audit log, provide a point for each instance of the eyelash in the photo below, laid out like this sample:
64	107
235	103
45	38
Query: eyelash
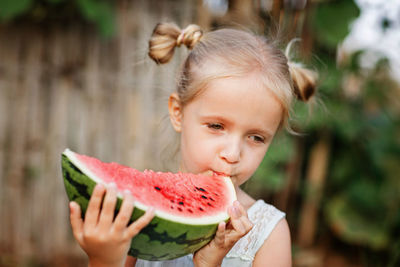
218	126
215	126
258	139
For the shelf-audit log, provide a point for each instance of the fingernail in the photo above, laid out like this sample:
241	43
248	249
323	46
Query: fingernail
129	198
112	186
236	212
71	206
127	192
99	186
150	210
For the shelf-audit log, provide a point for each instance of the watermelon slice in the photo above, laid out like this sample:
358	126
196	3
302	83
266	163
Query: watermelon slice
188	207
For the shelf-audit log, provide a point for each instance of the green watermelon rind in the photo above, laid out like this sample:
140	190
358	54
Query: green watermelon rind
162	239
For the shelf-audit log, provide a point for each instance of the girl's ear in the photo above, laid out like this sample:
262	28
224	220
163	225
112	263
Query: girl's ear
175	112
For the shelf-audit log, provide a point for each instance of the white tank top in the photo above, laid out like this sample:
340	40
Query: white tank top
264	218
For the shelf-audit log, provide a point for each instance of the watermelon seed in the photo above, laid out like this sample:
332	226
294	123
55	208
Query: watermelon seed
157	188
179	209
201	209
189	210
212	199
180	203
172	201
200	189
203	196
209	204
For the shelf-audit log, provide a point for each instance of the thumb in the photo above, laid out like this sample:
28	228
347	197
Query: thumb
76	220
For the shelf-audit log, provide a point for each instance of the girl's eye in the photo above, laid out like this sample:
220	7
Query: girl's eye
257	138
215	126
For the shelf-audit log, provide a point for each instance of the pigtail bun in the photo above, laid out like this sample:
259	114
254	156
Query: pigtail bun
166	36
304	81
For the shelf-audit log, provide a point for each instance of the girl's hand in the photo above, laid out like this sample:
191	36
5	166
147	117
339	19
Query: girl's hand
227	235
106	242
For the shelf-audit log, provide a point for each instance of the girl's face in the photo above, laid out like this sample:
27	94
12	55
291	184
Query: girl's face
227	128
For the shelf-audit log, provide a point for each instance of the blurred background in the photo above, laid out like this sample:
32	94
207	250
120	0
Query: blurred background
76	74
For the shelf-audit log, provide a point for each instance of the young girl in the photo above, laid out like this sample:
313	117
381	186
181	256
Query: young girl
234	93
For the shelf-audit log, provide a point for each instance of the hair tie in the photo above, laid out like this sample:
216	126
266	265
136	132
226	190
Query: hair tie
180	38
189	36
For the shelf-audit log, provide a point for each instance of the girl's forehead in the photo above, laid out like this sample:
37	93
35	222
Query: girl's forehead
239	99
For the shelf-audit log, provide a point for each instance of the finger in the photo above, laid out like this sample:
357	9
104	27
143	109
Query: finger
140	223
244	217
109	202
236	221
219	238
241	209
93	210
125	213
76	220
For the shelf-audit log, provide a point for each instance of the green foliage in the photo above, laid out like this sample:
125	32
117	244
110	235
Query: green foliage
12	8
332	19
270	176
361	200
99	12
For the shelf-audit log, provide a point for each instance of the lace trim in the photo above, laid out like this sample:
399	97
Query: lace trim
264	217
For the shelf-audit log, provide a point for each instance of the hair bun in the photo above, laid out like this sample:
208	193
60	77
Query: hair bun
166	36
304	81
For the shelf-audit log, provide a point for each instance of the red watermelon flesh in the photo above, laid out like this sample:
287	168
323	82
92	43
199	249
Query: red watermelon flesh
171	194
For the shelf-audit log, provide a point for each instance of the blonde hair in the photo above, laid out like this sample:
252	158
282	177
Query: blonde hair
232	53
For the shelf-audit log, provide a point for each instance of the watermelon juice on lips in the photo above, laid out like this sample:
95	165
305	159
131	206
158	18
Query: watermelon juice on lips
188	207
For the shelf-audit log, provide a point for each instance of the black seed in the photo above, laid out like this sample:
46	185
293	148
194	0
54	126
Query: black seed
180	203
209	204
201	189
157	188
212	199
203	196
179	209
201	209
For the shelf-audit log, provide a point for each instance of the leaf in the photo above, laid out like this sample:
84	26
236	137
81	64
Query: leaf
12	8
332	21
99	12
347	223
55	1
270	175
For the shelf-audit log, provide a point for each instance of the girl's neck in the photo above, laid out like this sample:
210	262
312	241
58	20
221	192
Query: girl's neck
244	199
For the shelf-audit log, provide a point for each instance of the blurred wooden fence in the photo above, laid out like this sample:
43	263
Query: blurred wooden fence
66	87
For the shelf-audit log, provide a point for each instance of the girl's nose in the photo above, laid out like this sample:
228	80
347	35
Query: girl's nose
231	151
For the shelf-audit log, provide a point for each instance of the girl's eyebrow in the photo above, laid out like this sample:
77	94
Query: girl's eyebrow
214	117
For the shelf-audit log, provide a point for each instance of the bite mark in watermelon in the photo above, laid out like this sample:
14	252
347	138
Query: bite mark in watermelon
188	207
